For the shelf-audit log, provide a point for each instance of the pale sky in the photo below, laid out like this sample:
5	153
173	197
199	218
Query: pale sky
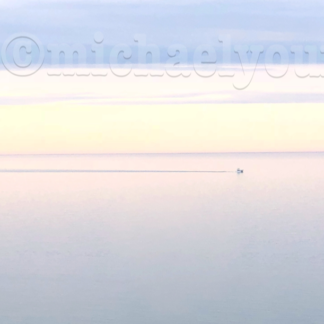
73	129
189	22
71	115
43	115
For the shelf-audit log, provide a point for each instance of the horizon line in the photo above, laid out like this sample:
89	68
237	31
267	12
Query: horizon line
160	153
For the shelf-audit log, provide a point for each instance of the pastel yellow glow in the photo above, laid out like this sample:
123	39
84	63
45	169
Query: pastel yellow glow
62	128
53	115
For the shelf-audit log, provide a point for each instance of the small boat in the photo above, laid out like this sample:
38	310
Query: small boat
239	171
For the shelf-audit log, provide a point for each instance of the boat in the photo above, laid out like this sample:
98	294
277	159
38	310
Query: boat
239	171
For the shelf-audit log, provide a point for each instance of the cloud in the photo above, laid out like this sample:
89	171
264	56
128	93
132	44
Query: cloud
165	22
131	90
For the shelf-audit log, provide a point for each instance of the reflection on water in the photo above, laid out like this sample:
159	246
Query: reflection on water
139	248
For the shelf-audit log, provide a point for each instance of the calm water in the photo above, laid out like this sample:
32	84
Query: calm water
163	248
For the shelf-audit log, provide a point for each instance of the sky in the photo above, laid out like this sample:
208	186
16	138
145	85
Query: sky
189	22
253	111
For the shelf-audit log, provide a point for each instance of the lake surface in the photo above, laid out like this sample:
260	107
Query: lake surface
163	248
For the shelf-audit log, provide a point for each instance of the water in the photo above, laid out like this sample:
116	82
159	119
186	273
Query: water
143	248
